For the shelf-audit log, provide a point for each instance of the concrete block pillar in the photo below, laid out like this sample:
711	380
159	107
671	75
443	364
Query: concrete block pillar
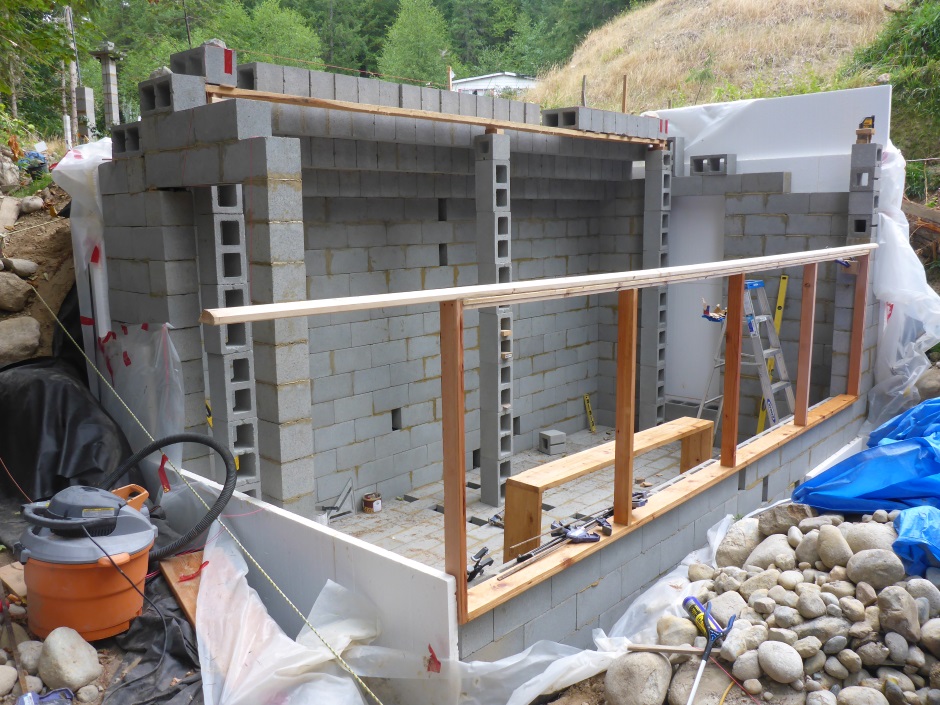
494	265
273	207
223	278
85	99
108	57
864	191
652	365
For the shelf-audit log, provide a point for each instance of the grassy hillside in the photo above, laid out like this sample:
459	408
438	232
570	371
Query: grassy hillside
698	51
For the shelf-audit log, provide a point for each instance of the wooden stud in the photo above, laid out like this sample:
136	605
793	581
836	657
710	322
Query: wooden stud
213	92
623	100
482	295
455	471
858	328
804	367
523	519
626	406
729	418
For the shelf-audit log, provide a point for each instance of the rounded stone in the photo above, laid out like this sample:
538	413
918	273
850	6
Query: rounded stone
789	579
794	536
839	588
899	613
851	660
19	339
808	647
7	679
747	666
67	660
835	645
814	663
858	695
820	697
787	617
835	668
638	679
897	647
713	684
864	537
852	609
865	594
700	571
767	551
14	294
880	515
742	538
753	686
785	635
832	547
877	567
807	551
810	605
780	661
872	654
930	636
28	653
918	587
87	694
675	631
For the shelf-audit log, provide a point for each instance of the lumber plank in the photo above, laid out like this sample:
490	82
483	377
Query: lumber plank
491	124
804	366
918	211
13	579
625	406
858	327
455	472
732	391
489	594
483	295
523	520
186	591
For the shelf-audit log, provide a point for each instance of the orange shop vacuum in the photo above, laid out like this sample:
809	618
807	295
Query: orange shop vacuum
86	551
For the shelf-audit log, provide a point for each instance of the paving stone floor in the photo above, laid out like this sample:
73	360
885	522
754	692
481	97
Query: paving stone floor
413	525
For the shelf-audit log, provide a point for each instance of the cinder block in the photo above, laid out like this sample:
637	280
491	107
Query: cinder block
866	155
217	64
296	81
171	93
125	140
709	164
863	202
769	182
864	178
259	76
552	442
346	87
231	120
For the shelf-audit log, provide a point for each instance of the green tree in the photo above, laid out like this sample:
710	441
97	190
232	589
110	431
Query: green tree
479	28
417	45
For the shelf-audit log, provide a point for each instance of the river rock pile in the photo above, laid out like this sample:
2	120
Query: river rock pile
824	615
63	660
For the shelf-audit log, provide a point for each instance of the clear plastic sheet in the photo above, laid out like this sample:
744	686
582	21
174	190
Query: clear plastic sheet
247	659
911	306
146	372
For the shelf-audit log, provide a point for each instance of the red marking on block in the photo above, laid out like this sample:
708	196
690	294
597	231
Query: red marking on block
229	60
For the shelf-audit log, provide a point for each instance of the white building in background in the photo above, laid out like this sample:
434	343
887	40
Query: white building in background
494	83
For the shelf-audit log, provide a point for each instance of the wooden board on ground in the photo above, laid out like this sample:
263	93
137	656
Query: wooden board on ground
13	579
185	592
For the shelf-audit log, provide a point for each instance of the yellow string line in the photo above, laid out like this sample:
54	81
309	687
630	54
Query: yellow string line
244	550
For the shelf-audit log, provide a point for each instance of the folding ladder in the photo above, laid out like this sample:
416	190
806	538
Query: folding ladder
753	319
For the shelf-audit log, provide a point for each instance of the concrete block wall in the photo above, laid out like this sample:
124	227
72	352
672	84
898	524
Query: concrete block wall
595	592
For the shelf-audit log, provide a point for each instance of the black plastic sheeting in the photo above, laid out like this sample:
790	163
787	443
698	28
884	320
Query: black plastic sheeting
62	347
54	433
178	680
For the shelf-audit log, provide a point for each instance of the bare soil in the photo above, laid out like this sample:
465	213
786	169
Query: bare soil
47	241
587	692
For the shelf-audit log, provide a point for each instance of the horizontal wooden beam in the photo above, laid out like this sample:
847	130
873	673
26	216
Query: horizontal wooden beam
490	124
484	295
485	596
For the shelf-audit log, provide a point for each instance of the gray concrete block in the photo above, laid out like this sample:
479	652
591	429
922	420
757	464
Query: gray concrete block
809	224
522	609
232	120
765	225
866	155
259	76
554	623
862	202
599	597
322	85
770	182
217	64
828	202
709	164
125	141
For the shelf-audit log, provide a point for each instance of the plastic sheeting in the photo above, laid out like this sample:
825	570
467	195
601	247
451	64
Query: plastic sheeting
77	174
248	659
54	433
911	306
147	374
918	542
900	469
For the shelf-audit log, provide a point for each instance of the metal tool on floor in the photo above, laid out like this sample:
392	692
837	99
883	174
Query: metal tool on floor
496	520
343	505
753	318
574	534
480	561
709	628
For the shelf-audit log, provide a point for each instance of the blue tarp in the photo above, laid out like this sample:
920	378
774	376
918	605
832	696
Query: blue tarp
899	470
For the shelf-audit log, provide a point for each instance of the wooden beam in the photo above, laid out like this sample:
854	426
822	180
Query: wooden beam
623	100
729	418
455	472
213	92
485	596
858	327
804	368
483	295
626	406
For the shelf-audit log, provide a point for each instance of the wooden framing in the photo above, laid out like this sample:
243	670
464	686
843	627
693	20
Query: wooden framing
732	391
858	327
485	596
214	93
804	366
626	401
524	492
455	471
484	295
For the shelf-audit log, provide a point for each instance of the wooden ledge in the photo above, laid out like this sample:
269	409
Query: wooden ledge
484	597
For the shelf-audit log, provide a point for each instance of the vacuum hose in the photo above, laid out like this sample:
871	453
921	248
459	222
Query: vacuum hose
228	487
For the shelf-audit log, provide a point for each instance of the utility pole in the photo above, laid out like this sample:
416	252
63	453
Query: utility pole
66	127
73	74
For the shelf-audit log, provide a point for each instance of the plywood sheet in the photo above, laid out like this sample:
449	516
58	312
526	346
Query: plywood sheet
185	591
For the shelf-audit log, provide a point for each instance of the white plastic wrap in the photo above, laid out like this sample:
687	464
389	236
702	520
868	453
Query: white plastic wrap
77	174
911	307
146	372
247	659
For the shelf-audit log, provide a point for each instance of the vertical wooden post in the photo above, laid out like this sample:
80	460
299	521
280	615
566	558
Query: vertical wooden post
584	90
626	403
729	418
455	472
858	328
623	100
804	366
